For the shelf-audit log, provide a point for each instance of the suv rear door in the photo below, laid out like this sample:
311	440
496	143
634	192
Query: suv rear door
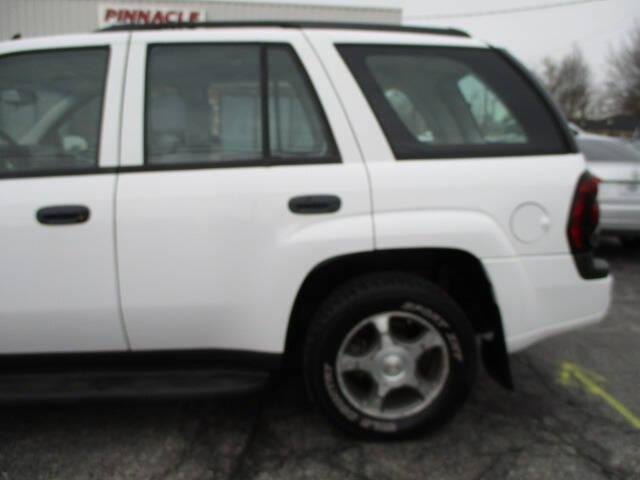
463	153
60	104
226	131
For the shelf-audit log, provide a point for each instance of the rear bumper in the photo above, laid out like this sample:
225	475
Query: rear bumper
541	296
620	217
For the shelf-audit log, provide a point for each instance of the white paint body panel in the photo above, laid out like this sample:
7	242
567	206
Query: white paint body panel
212	258
58	290
542	295
58	284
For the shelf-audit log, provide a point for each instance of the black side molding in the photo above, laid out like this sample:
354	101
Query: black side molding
107	375
129	385
158	360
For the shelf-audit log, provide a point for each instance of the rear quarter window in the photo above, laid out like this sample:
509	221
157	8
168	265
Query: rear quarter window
450	102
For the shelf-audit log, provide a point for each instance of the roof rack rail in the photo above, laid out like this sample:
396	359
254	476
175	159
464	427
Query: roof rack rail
291	24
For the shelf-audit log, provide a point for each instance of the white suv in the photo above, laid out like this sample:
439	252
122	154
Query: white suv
181	207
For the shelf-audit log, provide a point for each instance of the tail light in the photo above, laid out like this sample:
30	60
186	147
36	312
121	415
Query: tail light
585	215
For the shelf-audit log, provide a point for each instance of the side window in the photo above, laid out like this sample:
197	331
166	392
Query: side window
50	110
205	106
446	102
297	127
495	121
409	115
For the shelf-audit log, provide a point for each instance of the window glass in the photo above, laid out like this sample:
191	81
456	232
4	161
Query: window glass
409	115
495	121
76	131
50	110
440	102
296	125
203	104
608	150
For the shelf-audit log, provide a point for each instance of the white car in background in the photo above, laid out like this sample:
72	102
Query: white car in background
617	164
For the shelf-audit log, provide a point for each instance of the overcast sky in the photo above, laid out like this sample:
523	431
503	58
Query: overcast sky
596	27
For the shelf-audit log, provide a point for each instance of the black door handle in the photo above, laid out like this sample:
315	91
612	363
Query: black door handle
315	204
63	214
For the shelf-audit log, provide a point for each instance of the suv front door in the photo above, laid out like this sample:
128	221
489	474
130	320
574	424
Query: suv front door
59	110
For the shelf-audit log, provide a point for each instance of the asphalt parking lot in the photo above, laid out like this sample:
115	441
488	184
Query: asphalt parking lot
573	416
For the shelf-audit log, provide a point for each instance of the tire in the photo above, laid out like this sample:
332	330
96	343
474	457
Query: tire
350	318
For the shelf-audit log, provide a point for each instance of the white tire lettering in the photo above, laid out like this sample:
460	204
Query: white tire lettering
440	322
332	390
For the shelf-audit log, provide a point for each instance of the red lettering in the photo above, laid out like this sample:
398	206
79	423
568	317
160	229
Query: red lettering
110	14
143	17
128	16
124	15
158	17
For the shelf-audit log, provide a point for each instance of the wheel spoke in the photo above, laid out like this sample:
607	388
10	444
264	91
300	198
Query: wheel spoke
422	386
349	363
431	339
382	324
426	342
374	402
425	388
383	389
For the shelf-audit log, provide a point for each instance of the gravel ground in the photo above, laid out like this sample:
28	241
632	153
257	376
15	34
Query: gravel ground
542	430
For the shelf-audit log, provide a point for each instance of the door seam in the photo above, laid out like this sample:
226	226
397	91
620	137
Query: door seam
355	136
123	325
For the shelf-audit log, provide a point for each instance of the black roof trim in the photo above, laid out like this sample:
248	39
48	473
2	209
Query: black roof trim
328	25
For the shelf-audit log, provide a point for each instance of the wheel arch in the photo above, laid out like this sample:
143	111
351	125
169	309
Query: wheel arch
458	272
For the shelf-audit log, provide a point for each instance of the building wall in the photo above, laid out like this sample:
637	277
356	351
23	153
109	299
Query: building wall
49	17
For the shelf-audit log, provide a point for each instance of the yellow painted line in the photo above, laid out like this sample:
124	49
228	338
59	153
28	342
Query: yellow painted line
567	370
589	381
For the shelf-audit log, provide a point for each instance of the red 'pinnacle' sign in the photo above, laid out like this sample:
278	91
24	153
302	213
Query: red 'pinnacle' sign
141	14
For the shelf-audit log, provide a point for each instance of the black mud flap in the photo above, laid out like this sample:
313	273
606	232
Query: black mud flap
496	359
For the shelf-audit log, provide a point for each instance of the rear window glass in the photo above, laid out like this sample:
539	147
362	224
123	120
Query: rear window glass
608	150
441	102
